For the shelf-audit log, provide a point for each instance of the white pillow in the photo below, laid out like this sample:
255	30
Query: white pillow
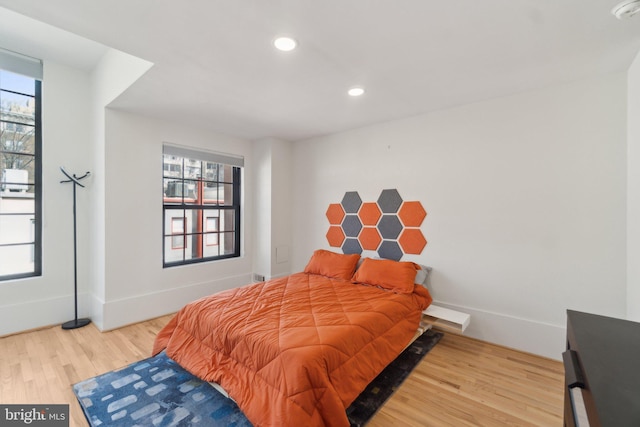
421	275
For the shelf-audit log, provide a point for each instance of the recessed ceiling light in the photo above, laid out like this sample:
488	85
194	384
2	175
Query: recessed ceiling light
285	44
356	91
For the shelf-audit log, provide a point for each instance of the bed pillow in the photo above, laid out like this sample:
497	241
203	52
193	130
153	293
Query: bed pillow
331	264
397	276
421	274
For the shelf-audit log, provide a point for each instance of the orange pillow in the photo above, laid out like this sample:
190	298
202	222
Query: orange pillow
397	276
331	264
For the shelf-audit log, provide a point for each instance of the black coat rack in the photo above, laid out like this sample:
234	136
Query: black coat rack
75	323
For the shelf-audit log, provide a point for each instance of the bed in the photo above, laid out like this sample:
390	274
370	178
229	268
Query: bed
297	350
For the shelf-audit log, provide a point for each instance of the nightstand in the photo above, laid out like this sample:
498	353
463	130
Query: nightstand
445	319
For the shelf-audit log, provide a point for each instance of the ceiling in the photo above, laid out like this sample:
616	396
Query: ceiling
215	67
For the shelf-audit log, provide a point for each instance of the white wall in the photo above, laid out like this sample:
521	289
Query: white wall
281	208
633	210
273	207
115	72
262	155
137	287
525	198
66	141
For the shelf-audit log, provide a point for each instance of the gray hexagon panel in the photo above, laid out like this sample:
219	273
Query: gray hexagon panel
351	246
351	225
389	226
351	202
390	249
389	201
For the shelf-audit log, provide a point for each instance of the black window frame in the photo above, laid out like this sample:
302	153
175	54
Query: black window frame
170	205
37	183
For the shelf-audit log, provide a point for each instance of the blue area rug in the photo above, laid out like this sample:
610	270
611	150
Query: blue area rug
158	392
155	392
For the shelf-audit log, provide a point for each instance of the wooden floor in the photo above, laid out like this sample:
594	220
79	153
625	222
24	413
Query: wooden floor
461	382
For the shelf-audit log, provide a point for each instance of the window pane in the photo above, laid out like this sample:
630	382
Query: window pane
227	195
228	243
211	171
178	237
194	221
210	193
17	138
17	108
17	228
172	189
192	168
212	239
212	223
211	245
16	259
17	82
171	254
16	179
190	191
221	194
179	241
212	227
172	219
177	225
172	166
228	221
226	173
178	189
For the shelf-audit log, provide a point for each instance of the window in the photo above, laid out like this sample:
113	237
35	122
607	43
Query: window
20	166
201	205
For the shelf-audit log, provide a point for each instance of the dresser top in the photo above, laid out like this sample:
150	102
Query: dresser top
609	354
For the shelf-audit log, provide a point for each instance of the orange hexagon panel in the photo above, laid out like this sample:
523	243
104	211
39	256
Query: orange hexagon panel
335	214
369	213
412	241
370	238
412	214
335	236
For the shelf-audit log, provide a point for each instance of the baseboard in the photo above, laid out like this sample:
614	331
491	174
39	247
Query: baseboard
31	315
126	311
97	311
521	334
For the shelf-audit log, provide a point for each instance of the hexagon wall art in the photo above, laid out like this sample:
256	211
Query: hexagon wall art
335	236
390	226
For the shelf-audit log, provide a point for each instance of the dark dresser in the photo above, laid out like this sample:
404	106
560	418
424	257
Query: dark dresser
602	362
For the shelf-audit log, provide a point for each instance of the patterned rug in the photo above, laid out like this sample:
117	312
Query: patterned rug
158	392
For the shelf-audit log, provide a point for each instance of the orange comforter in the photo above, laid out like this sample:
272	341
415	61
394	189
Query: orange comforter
293	351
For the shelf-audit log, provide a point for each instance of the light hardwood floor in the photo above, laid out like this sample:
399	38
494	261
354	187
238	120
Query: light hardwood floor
461	382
